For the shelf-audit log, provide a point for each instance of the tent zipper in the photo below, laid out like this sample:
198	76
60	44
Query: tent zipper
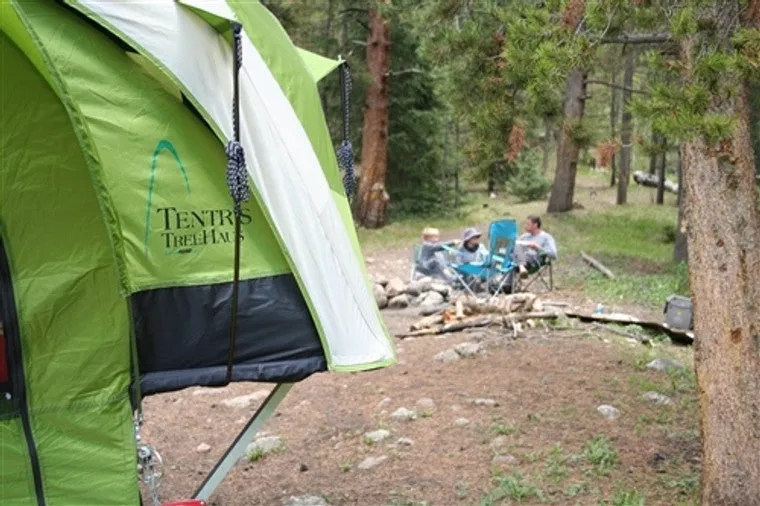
16	368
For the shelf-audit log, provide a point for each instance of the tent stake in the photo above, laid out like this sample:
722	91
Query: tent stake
238	447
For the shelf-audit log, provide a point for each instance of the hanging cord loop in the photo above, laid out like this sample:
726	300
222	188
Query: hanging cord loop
237	181
346	150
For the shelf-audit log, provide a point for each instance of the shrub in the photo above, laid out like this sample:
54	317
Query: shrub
528	183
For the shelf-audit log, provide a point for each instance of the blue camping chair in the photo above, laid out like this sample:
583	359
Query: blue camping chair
496	270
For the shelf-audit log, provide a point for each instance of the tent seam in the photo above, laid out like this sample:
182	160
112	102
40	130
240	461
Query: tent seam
89	152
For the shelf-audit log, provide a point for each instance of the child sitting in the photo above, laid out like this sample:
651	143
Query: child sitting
432	257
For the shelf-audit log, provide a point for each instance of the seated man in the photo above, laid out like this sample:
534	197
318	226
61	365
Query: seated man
533	247
432	260
471	251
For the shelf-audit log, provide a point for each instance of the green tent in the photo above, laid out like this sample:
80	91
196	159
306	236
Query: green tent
117	229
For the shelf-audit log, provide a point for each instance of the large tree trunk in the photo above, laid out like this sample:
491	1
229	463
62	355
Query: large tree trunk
613	122
372	201
626	127
680	251
655	142
561	199
724	274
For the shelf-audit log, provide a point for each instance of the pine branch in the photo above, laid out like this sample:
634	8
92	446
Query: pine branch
644	38
616	86
405	71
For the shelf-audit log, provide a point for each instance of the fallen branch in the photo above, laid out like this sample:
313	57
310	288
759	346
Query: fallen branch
596	264
500	305
417	333
682	336
449	327
454	327
427	322
651	180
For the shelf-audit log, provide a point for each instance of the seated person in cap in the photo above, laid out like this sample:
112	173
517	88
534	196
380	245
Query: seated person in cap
533	247
432	260
471	251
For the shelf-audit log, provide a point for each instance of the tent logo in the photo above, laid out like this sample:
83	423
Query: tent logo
182	230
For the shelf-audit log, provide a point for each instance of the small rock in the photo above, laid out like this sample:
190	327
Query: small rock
305	500
303	468
504	460
499	442
404	414
447	356
384	402
425	405
609	412
371	462
404	441
657	398
663	365
485	402
468	349
203	448
376	436
381	279
399	302
415	288
394	287
461	422
244	401
431	299
380	298
264	446
369	260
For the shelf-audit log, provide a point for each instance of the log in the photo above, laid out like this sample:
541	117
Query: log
499	304
417	333
646	179
466	324
427	322
459	309
596	264
682	336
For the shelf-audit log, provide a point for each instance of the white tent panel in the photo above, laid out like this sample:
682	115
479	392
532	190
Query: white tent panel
281	162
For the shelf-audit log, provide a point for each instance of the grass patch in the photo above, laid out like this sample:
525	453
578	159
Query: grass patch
556	464
600	453
626	498
515	487
505	429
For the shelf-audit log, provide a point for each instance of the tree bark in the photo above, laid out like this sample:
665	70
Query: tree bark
724	274
626	128
653	157
614	94
563	189
662	158
680	251
372	201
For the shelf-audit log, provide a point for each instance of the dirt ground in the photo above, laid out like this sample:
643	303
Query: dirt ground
546	385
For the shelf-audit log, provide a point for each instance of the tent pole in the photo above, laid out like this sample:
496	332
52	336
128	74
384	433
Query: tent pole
238	447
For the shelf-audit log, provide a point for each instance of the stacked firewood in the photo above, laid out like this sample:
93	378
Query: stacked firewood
467	311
